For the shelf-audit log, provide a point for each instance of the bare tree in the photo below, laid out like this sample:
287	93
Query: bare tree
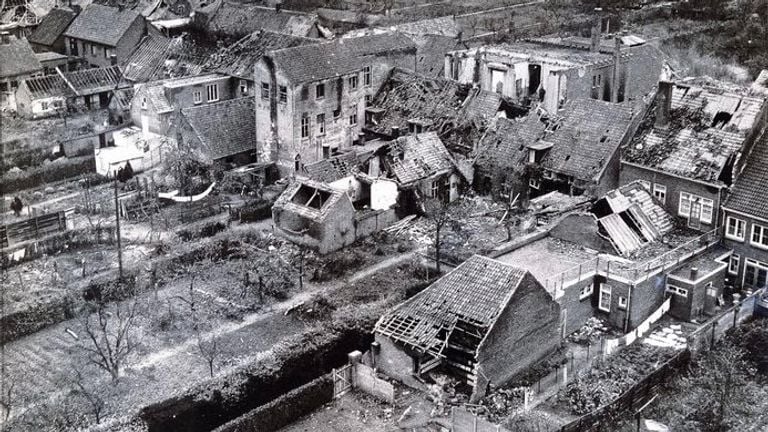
7	398
96	401
442	216
209	349
108	335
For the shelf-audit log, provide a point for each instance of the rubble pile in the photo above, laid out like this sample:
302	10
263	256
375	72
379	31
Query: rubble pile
501	403
591	332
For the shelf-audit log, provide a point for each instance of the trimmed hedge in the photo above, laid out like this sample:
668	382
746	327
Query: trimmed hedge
49	173
256	212
286	409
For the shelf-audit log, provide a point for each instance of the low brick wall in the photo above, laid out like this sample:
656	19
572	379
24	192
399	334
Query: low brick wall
365	379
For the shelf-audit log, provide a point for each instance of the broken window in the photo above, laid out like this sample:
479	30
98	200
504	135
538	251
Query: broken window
534	183
353	119
305	125
586	291
320	124
297	163
497	80
304	93
660	192
597	84
352	82
367	76
243	87
265	90
721	119
310	197
283	94
367	100
320	91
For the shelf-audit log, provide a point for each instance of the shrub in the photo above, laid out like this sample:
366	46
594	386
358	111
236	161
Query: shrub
49	173
256	211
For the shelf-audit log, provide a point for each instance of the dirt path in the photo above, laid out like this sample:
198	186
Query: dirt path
37	361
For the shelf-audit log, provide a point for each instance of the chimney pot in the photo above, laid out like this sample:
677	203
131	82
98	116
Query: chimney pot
663	104
694	273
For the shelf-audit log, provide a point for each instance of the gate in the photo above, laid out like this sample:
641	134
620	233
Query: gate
342	380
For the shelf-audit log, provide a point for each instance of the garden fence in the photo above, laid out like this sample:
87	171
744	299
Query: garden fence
714	329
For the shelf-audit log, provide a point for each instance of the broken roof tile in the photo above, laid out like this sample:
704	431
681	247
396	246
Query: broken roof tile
417	157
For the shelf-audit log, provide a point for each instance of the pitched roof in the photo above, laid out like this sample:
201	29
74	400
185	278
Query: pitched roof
309	63
52	26
748	194
238	59
239	19
416	157
82	82
333	168
503	146
157	57
225	128
475	292
18	58
589	134
708	126
102	24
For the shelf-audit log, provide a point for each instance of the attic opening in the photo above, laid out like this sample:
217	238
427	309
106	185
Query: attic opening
534	78
721	119
310	197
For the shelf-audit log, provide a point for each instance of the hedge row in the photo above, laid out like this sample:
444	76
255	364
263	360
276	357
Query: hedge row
256	212
49	173
25	158
286	409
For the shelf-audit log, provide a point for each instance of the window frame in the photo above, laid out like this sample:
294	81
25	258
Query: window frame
320	91
646	184
212	88
586	291
197	97
763	236
622	302
606	291
710	204
739	223
352	82
734	260
676	290
756	267
265	88
93	49
352	119
282	94
305	124
534	183
660	192
320	120
688	201
243	87
367	76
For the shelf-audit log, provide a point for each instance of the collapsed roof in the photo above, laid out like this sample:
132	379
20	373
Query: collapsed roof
157	57
311	199
78	83
333	168
413	158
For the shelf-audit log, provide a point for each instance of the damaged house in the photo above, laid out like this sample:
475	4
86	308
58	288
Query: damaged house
483	322
422	167
158	58
688	149
575	152
326	218
311	99
548	72
409	103
235	20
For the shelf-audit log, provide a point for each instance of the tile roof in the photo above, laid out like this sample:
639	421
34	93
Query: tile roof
707	128
589	134
225	128
52	26
331	196
238	59
18	58
749	192
503	146
334	168
156	97
102	24
475	292
309	63
157	57
416	157
239	19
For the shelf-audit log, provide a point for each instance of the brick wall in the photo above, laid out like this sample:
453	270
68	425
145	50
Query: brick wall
395	362
574	310
527	330
645	298
743	248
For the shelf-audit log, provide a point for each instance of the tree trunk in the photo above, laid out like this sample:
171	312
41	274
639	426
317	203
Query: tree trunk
437	249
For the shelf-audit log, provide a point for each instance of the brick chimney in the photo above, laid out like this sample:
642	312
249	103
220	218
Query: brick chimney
663	104
616	80
694	273
594	45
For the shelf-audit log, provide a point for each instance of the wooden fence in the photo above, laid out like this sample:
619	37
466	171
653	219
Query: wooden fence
36	227
711	331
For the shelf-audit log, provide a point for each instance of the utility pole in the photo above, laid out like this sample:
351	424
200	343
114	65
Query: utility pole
117	229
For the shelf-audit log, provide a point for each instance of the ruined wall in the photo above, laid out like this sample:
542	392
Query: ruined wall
574	309
526	331
395	362
581	228
373	221
641	72
674	185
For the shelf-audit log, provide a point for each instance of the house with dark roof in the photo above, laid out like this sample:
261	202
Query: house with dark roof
326	218
311	99
237	60
483	323
236	20
690	146
101	32
409	102
745	220
222	131
88	89
154	103
51	61
49	34
575	152
19	63
548	72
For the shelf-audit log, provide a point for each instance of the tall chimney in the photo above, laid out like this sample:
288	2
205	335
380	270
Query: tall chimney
663	104
594	45
694	273
616	70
